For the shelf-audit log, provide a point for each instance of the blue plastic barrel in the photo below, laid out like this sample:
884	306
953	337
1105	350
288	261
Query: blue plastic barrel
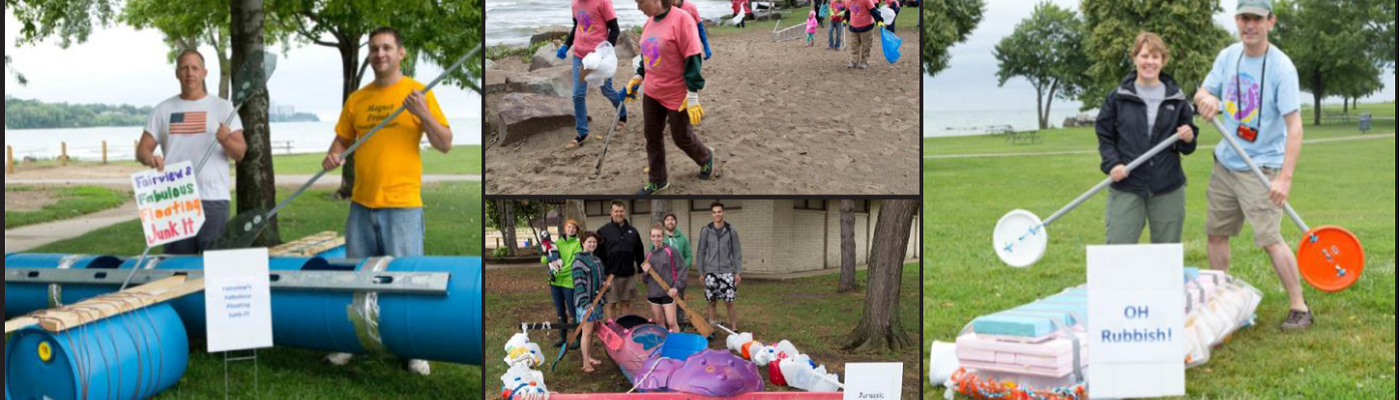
22	299
131	356
428	327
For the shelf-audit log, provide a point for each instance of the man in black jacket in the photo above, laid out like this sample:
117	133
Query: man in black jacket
622	254
1145	109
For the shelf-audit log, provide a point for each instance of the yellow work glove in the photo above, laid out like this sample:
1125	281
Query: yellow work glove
692	106
630	90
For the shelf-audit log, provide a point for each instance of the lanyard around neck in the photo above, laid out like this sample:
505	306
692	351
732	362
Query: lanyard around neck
1239	96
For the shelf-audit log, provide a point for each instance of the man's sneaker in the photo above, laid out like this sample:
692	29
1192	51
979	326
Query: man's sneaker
339	359
864	66
420	367
709	167
1297	321
850	65
652	188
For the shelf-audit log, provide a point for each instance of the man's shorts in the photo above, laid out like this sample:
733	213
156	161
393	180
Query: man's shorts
720	287
622	289
1234	197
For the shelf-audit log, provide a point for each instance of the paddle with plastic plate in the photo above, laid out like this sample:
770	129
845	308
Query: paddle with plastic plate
701	325
248	225
1330	257
1020	237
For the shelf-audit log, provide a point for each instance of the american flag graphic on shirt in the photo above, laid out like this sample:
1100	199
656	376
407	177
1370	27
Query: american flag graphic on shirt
188	123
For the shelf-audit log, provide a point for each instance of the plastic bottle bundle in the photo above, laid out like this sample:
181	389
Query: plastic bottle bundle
521	381
786	365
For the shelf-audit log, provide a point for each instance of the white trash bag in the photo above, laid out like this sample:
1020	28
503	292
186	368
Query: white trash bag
600	65
887	15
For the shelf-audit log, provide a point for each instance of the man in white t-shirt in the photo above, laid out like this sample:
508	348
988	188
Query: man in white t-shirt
184	127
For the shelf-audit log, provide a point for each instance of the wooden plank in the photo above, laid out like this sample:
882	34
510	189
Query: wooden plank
309	246
109	305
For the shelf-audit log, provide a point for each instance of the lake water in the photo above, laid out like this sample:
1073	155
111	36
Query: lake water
975	122
287	138
513	21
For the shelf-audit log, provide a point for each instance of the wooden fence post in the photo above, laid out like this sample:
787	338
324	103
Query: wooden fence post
9	160
63	155
104	152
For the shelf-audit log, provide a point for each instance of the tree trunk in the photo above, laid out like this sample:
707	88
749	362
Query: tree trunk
225	66
1039	105
256	181
1345	110
848	247
507	210
880	328
1317	97
573	209
350	81
659	208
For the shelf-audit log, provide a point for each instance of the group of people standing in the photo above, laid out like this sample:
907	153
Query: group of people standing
858	16
599	274
1254	85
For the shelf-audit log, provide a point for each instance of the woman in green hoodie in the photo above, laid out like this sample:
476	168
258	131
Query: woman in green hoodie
561	282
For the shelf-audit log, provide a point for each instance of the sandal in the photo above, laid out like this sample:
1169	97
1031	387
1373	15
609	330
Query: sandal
588	369
574	143
595	362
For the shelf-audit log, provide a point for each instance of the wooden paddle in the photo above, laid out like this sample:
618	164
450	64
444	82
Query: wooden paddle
701	324
574	336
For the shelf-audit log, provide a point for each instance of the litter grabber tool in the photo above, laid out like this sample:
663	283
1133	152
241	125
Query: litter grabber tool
249	80
617	115
702	325
579	329
1020	237
248	225
1330	257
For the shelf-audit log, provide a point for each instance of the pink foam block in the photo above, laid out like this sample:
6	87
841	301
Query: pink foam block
1050	358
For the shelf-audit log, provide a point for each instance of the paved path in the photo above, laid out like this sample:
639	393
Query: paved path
1212	148
29	237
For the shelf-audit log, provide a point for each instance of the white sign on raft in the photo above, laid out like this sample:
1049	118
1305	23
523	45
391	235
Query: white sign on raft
169	203
873	381
238	302
1136	318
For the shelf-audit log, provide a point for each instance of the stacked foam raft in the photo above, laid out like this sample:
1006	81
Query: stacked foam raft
1040	350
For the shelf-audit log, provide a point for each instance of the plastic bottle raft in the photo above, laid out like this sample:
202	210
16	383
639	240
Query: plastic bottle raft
1040	350
442	327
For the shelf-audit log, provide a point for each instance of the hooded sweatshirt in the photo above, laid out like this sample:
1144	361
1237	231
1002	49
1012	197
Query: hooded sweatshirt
718	251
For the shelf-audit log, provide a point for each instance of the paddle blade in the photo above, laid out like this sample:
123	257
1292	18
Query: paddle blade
243	229
251	77
1330	258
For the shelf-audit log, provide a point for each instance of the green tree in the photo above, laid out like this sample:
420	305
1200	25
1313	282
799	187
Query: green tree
1333	44
67	20
18	76
1111	26
946	23
187	24
1356	86
1044	49
438	30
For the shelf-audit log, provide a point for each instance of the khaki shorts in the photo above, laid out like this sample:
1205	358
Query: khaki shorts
623	289
1234	197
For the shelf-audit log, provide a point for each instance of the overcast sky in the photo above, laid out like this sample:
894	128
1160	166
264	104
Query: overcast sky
120	65
970	82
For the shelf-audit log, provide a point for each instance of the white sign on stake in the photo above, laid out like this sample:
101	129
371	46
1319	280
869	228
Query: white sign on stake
169	203
238	302
1136	317
873	381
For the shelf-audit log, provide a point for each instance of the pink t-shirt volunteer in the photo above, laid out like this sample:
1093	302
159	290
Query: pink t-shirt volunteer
665	45
592	17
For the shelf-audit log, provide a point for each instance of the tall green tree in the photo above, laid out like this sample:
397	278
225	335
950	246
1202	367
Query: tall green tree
1045	50
68	21
1333	44
946	23
257	185
187	24
440	31
1112	25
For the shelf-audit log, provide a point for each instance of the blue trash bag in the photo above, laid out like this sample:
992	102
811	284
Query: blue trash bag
890	44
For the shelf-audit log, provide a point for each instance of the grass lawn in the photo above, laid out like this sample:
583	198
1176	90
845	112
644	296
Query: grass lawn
462	160
1348	353
806	312
69	202
453	212
1083	138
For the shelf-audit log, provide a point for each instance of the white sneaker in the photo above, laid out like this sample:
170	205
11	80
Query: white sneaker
339	359
420	367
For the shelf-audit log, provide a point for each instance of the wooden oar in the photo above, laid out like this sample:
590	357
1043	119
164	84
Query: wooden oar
701	324
574	336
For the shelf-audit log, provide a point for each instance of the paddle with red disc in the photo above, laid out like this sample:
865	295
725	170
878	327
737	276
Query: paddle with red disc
1330	257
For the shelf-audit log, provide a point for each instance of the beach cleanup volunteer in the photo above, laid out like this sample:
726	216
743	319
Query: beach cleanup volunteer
594	22
689	7
862	28
1259	86
184	127
386	209
670	72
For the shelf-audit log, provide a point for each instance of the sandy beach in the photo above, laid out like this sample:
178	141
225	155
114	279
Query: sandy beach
783	118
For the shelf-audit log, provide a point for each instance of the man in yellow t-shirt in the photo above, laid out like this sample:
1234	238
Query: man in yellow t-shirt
386	212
